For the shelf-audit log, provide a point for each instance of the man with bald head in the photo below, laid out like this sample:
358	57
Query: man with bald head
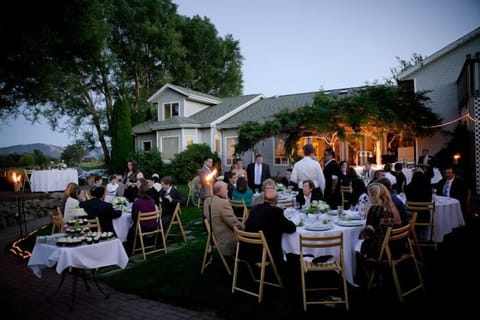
220	211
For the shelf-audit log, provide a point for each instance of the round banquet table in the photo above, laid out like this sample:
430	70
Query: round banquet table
291	244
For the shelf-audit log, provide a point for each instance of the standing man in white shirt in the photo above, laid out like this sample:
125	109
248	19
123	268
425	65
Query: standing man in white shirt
308	169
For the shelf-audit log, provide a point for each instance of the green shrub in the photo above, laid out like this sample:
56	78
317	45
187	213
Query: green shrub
148	162
185	164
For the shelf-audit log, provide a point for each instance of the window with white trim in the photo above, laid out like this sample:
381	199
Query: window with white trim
169	147
170	110
231	143
280	153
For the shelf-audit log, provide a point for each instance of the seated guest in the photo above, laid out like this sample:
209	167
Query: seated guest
98	182
270	219
238	169
389	173
402	210
230	178
357	187
243	192
143	203
223	220
344	179
96	207
267	184
169	197
72	202
381	215
307	194
419	189
455	187
154	188
286	180
112	188
401	179
66	194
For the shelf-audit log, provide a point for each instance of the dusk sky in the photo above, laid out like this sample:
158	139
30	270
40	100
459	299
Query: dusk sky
308	45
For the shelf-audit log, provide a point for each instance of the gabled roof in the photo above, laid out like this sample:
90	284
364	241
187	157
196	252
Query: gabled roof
171	123
188	93
266	108
210	114
437	55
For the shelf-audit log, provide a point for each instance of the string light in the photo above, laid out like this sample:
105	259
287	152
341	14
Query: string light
466	115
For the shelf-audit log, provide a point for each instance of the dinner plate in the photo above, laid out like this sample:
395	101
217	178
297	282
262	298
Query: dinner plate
349	223
318	227
333	213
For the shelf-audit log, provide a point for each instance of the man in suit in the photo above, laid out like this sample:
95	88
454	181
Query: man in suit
427	162
332	173
96	207
257	172
223	219
169	198
454	187
270	219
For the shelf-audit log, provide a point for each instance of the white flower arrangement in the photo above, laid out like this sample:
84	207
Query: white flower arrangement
318	206
279	187
120	201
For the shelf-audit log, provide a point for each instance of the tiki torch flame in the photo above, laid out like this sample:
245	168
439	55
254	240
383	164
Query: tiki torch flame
210	176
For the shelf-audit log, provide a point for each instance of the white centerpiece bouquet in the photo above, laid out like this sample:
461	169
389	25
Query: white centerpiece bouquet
279	187
317	206
120	203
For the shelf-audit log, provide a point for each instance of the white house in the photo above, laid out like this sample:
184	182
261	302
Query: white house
452	74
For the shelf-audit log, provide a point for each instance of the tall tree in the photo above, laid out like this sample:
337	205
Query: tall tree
78	56
122	140
73	154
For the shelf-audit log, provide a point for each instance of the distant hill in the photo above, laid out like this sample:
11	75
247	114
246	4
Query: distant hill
47	149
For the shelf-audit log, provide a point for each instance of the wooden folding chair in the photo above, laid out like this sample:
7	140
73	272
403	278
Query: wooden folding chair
334	264
94	225
210	249
345	190
426	214
176	221
58	225
240	209
26	179
142	234
397	248
254	239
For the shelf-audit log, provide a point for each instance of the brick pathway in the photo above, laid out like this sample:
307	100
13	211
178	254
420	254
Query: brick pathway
23	296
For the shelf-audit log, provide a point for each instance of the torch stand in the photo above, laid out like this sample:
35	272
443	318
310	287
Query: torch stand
22	220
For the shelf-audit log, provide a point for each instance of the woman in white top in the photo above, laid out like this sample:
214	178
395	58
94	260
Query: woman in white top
72	203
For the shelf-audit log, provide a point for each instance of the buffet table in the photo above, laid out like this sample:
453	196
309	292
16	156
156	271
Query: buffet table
88	256
52	180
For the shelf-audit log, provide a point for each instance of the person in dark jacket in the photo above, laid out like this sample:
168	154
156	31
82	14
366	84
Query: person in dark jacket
270	219
96	207
169	198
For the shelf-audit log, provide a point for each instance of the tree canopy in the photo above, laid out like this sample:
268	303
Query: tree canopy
72	59
370	111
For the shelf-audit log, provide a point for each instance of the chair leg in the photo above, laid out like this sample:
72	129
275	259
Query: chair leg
304	289
205	255
397	283
345	289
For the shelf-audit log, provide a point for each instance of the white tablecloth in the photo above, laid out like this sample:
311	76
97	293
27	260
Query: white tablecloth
291	244
122	224
448	215
52	180
102	254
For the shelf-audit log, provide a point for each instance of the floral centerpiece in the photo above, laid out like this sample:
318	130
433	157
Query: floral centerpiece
279	187
120	203
318	206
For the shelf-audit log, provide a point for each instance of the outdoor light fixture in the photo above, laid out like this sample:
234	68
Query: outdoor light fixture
456	157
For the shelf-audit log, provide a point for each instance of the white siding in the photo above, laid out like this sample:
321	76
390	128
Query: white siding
192	107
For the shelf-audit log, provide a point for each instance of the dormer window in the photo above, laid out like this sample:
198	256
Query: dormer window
170	110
